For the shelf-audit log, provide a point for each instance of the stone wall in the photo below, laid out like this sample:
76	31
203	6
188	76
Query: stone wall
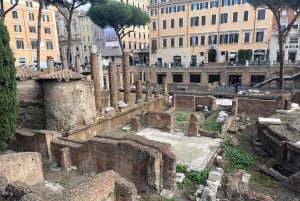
25	167
261	107
31	108
160	120
68	104
189	102
149	165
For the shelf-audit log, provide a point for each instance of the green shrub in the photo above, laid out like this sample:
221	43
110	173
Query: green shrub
211	125
184	183
199	177
181	118
181	168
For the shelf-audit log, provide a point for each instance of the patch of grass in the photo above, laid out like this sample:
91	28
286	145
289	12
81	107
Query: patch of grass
181	168
211	125
199	177
185	182
260	178
181	118
236	158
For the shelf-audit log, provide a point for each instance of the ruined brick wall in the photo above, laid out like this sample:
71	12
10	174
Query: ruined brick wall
68	104
189	102
31	108
296	97
209	101
149	165
25	167
258	107
160	120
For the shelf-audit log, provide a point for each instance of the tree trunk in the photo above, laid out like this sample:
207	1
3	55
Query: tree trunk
281	62
38	48
69	30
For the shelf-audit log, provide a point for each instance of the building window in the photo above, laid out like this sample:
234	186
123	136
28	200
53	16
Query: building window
32	29
17	28
164	43
153	2
225	3
153	12
33	43
245	1
233	38
246	16
154	45
224	39
224	18
15	14
193	40
246	37
204	5
294	39
49	45
194	6
29	4
180	8
172	23
45	18
153	26
22	60
202	40
259	36
284	11
261	14
213	19
172	42
31	16
164	10
214	4
283	24
295	25
194	21
234	16
12	2
172	9
212	39
47	30
180	22
177	78
180	42
164	24
236	2
20	43
203	19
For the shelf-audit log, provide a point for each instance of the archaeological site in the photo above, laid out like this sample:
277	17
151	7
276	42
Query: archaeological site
134	139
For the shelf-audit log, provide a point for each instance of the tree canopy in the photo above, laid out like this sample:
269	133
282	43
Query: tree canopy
277	6
123	18
8	101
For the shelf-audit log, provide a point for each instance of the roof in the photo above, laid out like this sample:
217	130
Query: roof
63	75
26	73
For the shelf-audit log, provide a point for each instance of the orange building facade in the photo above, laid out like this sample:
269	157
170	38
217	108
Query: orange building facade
22	25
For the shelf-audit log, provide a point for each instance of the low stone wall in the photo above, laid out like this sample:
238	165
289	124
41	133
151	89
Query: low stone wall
260	107
24	167
189	102
149	165
160	120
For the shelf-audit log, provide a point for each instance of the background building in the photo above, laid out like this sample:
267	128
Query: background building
184	33
21	23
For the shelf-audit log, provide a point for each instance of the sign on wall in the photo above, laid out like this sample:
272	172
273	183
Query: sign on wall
111	38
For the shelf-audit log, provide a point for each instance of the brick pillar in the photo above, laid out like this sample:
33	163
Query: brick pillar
165	86
65	158
77	63
95	76
113	85
138	92
50	64
148	90
126	78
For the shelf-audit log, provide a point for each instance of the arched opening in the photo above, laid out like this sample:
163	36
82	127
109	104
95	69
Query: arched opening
212	55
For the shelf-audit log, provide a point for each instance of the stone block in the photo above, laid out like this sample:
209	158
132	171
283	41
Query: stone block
167	194
215	176
273	121
179	177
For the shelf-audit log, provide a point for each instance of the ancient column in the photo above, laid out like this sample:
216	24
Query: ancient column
95	75
165	86
113	85
138	92
148	91
50	64
132	77
126	78
77	63
100	71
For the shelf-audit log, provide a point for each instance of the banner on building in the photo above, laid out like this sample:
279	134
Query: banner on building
111	38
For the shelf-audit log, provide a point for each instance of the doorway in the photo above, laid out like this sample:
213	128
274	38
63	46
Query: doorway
212	55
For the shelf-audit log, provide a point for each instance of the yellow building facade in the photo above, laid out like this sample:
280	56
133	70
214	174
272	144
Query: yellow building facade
21	23
194	32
